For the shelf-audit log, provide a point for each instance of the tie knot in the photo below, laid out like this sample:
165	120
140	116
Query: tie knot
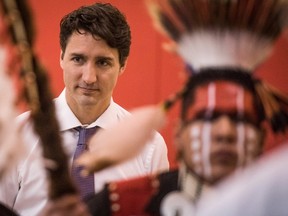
85	134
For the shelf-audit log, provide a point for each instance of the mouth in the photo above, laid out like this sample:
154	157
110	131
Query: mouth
88	90
226	158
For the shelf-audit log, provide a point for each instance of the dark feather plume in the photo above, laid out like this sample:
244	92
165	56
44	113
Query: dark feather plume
38	96
265	18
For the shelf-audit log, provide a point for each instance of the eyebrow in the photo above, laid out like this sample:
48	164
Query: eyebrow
76	54
105	57
244	116
97	57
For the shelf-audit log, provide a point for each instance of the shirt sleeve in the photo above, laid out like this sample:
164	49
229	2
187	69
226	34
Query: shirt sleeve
9	188
24	188
156	155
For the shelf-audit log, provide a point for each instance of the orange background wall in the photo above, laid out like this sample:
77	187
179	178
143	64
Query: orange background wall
152	74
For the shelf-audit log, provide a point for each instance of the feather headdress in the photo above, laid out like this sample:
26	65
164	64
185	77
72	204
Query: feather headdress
228	35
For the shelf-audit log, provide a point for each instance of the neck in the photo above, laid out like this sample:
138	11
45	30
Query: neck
88	114
192	186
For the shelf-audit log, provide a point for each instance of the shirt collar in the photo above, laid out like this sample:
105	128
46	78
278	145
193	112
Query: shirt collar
68	120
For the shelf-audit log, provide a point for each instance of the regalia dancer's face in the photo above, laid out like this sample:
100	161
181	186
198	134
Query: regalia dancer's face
221	134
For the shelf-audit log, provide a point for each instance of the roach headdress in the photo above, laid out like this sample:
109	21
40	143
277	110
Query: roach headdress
227	39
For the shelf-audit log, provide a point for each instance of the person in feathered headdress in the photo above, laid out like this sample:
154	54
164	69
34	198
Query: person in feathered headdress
224	106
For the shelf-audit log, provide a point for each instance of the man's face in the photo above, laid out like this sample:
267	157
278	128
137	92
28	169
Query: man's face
91	69
220	135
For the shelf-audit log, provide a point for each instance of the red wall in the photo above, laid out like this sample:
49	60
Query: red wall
152	74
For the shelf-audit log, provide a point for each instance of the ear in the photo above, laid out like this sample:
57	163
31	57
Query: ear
122	69
61	59
178	136
263	136
178	144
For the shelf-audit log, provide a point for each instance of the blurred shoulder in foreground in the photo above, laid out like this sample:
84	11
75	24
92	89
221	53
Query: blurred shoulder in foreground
260	190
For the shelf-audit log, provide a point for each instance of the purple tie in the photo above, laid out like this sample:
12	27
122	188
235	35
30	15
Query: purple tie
84	184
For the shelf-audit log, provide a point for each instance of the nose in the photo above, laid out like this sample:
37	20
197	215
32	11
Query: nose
224	130
89	74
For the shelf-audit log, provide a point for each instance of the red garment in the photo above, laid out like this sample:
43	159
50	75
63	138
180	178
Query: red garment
131	197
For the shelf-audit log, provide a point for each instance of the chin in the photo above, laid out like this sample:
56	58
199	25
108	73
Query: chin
221	174
87	101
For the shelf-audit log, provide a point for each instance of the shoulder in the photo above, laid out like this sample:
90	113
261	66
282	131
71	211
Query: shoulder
26	125
23	117
119	110
158	139
29	136
155	154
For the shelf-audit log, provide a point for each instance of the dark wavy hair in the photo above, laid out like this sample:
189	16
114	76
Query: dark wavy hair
101	20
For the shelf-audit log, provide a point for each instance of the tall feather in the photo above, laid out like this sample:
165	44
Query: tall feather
39	98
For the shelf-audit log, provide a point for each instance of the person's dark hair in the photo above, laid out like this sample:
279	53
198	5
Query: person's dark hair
101	20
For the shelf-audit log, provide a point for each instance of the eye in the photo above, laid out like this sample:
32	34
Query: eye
104	62
77	59
246	118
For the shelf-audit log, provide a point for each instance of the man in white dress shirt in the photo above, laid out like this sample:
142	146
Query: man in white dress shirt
95	42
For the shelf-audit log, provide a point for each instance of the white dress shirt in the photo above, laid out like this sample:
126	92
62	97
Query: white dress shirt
25	188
